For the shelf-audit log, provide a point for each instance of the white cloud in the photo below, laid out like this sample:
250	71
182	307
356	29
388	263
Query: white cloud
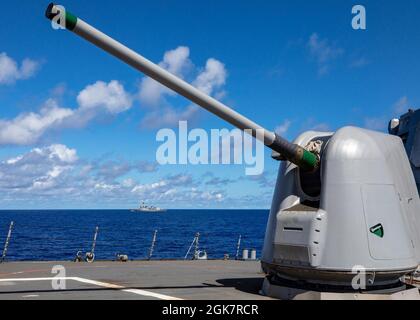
56	169
168	117
156	189
213	76
49	180
110	96
283	128
216	181
323	52
59	152
207	195
164	184
128	183
177	189
38	169
27	128
42	175
111	170
10	72
150	92
175	61
210	80
105	186
28	69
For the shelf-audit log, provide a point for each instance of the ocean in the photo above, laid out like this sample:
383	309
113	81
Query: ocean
58	234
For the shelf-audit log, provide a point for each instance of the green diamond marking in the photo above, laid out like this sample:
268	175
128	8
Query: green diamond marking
378	230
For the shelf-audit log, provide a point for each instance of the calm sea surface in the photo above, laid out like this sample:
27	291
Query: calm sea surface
58	235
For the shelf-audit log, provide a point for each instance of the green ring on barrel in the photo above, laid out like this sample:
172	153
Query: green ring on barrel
309	160
71	21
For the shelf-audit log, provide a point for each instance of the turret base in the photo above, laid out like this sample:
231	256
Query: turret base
288	293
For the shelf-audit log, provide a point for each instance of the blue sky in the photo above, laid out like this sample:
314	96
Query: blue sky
288	65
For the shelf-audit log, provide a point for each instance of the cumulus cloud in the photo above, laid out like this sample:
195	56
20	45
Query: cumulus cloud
112	169
58	152
217	181
27	128
213	76
165	184
10	72
40	168
42	175
178	188
107	98
110	96
100	97
45	174
209	79
175	61
50	170
323	52
168	117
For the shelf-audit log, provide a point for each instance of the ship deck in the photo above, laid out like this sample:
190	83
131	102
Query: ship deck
162	280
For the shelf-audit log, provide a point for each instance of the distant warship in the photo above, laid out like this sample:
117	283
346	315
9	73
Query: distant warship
145	208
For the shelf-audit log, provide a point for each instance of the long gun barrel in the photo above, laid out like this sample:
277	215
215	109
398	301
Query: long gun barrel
294	153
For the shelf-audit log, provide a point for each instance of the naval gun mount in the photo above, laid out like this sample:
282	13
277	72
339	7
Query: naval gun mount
407	127
365	216
343	200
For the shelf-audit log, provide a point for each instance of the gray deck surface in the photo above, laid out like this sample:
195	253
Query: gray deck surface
212	279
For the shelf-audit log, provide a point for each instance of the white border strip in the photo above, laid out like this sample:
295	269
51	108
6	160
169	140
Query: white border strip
99	284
